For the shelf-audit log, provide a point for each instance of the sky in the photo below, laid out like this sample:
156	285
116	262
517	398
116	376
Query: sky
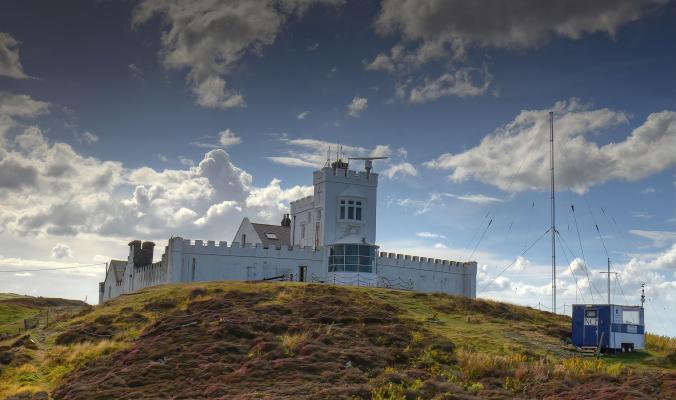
146	119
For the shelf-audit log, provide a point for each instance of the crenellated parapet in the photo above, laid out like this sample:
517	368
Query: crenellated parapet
236	249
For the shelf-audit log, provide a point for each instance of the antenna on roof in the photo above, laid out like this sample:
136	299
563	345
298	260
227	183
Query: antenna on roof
642	294
368	163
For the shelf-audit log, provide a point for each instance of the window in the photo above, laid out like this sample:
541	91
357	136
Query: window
319	215
630	317
302	231
350	210
590	314
352	258
243	239
271	236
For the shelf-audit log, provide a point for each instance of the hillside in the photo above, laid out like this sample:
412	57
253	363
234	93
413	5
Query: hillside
14	308
274	340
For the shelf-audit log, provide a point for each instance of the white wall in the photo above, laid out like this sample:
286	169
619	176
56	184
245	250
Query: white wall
429	274
217	261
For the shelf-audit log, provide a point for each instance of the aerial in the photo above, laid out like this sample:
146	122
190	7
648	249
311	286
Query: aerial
452	162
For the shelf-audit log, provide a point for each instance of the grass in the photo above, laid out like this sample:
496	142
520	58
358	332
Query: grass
12	316
290	340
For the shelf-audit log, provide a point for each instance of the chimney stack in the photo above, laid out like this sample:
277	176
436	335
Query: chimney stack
286	221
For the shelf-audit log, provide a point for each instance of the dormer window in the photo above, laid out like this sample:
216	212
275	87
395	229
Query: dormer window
271	236
350	210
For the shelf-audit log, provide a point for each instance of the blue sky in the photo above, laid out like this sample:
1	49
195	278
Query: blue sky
145	119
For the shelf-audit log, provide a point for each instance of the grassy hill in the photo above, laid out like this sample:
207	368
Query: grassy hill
274	340
14	308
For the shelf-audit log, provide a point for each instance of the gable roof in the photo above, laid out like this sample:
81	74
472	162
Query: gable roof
118	267
283	234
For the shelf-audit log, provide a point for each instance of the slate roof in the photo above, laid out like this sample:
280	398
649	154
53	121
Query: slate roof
283	234
118	267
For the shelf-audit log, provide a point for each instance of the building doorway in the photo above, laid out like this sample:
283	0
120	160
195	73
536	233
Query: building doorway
302	273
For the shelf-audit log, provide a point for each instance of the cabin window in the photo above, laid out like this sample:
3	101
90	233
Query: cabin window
630	317
590	314
350	209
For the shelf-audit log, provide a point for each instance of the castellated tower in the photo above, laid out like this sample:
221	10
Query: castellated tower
340	216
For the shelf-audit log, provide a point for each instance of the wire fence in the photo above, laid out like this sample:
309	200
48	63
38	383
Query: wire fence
365	280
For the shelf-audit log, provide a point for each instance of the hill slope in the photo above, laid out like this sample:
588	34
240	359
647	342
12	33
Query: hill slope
251	341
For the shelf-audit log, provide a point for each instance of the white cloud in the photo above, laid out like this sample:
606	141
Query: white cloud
356	106
463	82
228	138
162	158
658	238
10	65
476	198
186	161
87	137
420	206
648	190
515	157
303	115
209	38
401	169
440	246
61	251
641	215
21	105
429	235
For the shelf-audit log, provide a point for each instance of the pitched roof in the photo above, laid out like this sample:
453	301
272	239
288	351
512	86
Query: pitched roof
118	267
273	235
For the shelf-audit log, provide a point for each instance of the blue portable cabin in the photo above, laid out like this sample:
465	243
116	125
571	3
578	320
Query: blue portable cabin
610	327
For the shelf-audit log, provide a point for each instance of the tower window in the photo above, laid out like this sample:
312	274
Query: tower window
350	210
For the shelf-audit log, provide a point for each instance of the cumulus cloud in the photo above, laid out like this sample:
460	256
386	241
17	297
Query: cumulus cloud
61	251
356	106
209	38
515	157
303	115
47	188
10	65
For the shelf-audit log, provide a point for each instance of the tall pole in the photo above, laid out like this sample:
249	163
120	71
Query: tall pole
553	211
608	280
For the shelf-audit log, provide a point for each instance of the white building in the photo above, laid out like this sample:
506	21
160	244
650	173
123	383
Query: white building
328	237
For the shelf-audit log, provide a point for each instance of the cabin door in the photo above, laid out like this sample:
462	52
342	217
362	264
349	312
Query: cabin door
590	334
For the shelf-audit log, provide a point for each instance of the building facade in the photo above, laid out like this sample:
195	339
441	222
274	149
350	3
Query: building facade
329	237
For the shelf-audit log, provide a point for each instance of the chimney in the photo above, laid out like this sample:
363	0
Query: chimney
134	251
286	221
147	253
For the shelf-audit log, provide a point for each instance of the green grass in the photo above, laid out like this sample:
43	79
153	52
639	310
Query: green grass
12	316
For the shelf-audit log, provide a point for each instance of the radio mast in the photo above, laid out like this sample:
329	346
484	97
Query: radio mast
553	212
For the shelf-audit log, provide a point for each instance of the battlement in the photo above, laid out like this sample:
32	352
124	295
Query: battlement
345	176
303	203
222	248
405	260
